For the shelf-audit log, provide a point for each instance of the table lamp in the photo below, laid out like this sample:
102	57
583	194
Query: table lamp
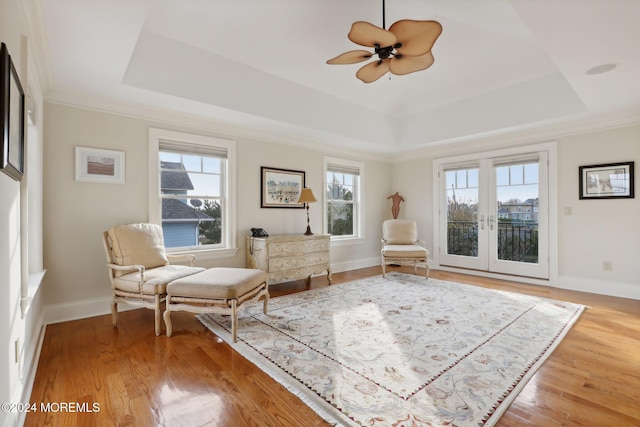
306	197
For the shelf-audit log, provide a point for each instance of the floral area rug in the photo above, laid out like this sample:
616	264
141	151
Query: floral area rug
402	351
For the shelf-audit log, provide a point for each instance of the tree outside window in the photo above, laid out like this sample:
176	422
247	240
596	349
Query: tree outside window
340	203
343	198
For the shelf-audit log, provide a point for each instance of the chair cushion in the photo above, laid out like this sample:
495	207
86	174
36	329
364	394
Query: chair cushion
404	251
400	232
141	244
156	279
218	283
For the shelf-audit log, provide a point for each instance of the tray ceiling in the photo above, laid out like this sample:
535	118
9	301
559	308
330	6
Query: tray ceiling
500	66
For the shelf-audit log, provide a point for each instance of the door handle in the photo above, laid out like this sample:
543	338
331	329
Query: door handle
491	222
481	221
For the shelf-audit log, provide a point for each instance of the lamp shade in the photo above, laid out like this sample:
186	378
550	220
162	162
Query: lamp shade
306	196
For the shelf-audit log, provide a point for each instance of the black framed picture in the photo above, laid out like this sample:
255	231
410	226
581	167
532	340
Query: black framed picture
11	117
607	181
281	188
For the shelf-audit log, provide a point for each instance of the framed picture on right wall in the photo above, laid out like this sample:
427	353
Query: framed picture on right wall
607	181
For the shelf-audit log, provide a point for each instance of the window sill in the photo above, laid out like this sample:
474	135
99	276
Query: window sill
35	282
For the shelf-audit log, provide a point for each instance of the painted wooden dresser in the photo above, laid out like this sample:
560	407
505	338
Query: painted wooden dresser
290	256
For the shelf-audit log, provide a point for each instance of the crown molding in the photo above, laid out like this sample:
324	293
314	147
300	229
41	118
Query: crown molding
241	126
534	133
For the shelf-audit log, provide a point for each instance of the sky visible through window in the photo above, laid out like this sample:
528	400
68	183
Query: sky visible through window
518	181
204	172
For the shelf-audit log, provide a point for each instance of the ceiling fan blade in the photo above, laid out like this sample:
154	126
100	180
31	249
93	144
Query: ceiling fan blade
411	64
351	57
373	71
366	34
417	37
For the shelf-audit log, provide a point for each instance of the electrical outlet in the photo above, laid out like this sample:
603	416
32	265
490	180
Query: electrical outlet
607	266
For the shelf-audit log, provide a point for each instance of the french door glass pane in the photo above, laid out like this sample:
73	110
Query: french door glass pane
462	211
517	212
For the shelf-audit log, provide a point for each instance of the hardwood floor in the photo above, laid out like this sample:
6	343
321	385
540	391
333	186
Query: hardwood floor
195	379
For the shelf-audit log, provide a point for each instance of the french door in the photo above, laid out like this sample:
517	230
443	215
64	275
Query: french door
493	214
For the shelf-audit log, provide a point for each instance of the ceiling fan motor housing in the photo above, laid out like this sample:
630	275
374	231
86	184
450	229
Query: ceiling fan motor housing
386	52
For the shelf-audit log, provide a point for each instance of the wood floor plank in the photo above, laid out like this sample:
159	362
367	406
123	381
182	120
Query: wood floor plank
195	378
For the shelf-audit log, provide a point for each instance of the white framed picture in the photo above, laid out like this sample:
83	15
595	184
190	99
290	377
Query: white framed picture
98	165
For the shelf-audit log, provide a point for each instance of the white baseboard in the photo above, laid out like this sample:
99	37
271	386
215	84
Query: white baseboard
580	284
337	267
57	313
601	287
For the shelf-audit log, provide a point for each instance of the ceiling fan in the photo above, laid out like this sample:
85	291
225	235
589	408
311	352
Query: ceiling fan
404	48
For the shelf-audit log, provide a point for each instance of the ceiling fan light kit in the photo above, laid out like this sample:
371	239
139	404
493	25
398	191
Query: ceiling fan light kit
402	49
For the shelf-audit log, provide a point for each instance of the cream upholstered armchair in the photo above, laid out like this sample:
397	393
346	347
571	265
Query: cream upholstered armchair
139	267
400	246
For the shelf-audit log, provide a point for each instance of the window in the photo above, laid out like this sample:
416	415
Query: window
191	182
344	201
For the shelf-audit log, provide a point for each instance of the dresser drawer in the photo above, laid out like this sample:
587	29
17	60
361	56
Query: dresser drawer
297	247
298	261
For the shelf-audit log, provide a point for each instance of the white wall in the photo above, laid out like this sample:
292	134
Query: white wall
16	325
10	321
76	213
597	230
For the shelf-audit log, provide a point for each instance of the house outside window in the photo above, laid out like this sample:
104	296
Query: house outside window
191	216
192	178
343	198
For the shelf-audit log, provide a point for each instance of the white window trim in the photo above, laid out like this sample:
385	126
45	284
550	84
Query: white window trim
31	194
359	232
230	248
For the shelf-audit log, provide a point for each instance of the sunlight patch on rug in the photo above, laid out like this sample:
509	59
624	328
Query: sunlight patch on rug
402	350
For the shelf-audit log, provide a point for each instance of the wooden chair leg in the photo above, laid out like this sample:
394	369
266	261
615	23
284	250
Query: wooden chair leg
114	312
158	315
266	302
234	320
167	317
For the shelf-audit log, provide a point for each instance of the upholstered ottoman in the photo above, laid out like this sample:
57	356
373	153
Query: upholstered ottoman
217	290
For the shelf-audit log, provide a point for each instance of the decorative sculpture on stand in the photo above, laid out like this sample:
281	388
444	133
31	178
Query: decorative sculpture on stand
395	208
